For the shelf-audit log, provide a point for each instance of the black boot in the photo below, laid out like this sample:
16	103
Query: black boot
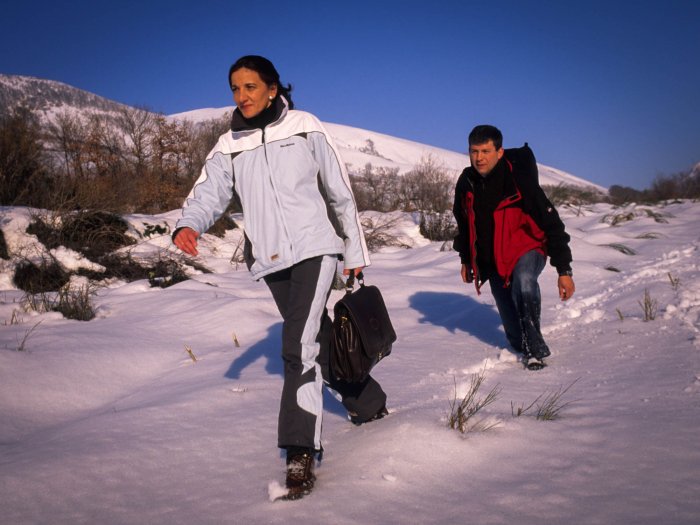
380	414
300	473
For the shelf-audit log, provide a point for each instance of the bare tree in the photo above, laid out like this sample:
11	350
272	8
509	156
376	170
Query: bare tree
428	187
138	126
21	159
377	189
67	136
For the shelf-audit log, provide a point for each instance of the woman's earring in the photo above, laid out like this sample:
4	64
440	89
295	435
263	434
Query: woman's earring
271	97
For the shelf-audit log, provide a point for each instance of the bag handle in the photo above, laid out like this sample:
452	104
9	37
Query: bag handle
350	283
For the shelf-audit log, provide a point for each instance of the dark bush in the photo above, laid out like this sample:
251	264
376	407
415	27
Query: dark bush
121	267
166	273
620	195
222	225
377	189
437	226
568	194
92	233
47	235
74	304
95	233
161	273
33	279
4	254
22	173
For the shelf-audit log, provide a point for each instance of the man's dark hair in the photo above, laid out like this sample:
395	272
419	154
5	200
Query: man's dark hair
483	133
267	73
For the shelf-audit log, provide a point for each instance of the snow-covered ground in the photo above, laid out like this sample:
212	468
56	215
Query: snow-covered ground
111	422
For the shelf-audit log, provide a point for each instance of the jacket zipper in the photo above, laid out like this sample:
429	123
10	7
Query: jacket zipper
279	204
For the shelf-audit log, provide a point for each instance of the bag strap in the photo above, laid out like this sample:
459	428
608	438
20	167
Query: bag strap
350	283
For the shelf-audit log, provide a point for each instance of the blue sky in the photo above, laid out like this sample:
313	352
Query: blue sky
607	91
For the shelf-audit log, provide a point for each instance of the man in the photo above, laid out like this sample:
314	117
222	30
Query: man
506	229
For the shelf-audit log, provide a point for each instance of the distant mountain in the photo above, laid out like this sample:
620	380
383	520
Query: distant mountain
48	97
359	147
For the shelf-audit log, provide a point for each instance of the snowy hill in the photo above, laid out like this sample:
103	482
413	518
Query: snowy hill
47	98
360	147
110	421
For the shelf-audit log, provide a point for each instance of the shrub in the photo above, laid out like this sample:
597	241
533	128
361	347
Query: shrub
33	279
74	303
95	233
438	226
462	414
92	233
161	272
22	174
649	306
623	194
622	248
154	230
378	232
377	189
4	254
222	225
675	281
116	266
568	194
549	405
617	218
165	273
427	187
22	345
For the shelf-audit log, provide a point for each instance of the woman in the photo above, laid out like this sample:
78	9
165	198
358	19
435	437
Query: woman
300	218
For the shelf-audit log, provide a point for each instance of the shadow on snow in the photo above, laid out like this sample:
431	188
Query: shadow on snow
455	311
270	349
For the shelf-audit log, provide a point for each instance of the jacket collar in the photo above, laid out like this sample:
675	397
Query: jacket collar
502	171
277	110
501	168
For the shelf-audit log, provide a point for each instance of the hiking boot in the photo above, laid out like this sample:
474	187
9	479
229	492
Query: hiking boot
300	475
380	414
535	363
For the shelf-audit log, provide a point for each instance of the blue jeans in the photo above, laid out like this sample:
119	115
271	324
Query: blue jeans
519	305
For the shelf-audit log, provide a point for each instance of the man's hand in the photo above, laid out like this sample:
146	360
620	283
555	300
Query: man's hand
566	286
467	274
186	240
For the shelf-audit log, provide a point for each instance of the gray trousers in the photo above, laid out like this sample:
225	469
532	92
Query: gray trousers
301	293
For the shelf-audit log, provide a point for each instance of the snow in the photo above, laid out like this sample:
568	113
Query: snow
110	421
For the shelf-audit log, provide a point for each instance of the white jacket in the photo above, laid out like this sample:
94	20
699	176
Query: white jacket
293	188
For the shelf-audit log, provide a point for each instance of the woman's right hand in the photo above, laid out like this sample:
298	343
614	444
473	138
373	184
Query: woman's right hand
186	240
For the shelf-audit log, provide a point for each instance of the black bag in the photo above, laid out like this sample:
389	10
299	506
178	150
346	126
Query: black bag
362	332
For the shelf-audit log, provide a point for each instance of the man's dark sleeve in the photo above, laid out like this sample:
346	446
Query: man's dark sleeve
461	241
547	218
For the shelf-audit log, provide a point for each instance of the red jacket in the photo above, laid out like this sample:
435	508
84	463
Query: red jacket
523	220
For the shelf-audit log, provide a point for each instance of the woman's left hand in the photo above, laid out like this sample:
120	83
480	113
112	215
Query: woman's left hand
347	271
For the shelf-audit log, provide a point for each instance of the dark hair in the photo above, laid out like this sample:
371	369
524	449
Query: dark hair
267	73
484	133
